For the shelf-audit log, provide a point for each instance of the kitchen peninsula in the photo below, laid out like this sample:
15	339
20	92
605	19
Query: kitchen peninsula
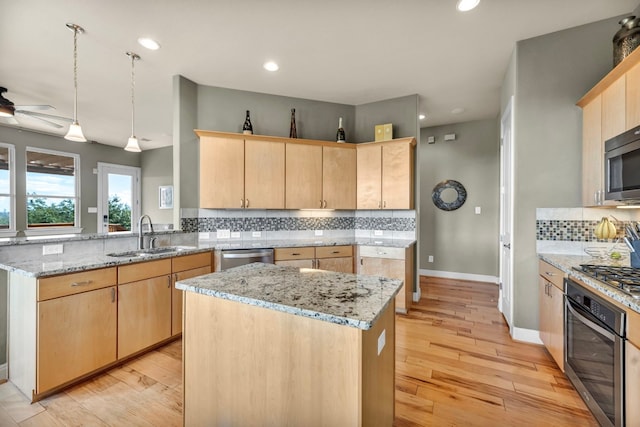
275	345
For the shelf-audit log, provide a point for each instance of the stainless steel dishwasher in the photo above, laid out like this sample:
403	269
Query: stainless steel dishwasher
235	257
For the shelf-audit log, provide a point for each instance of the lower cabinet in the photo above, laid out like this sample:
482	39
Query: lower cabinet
551	310
632	385
394	263
331	258
185	267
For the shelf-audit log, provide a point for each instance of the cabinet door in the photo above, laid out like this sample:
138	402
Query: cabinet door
340	265
393	269
632	386
76	335
264	175
369	177
144	314
339	177
221	173
303	181
397	176
556	325
613	109
176	296
543	310
592	153
633	97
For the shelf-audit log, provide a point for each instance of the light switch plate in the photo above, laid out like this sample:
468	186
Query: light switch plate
318	232
235	234
478	210
382	339
223	234
203	235
377	232
256	234
51	249
92	210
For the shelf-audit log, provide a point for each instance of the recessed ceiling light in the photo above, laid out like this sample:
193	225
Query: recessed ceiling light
466	5
149	43
457	110
270	66
422	117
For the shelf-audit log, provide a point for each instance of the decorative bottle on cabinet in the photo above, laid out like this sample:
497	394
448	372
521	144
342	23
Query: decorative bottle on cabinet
293	133
247	129
340	135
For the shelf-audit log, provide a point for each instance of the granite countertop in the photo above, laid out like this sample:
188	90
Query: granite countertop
345	299
567	262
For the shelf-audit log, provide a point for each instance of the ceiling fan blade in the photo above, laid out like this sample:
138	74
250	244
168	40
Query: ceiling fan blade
34	107
44	116
37	116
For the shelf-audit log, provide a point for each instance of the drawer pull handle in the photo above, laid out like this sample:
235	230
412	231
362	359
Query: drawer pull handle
295	254
335	252
83	283
113	294
548	273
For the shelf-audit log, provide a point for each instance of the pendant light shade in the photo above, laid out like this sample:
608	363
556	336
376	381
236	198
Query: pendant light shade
132	143
75	131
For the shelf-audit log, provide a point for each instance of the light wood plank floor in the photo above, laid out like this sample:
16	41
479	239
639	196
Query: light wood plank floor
455	366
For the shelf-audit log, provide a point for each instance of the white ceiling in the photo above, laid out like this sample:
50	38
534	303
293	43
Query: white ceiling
350	52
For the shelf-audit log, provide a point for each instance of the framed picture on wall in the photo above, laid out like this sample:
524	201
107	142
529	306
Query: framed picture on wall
165	196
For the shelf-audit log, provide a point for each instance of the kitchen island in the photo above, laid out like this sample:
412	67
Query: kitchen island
274	346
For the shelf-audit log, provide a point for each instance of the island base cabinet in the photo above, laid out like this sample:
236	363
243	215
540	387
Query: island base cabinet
632	385
247	365
76	335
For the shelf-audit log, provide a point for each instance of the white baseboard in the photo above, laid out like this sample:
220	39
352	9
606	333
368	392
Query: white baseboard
526	335
459	276
417	295
4	373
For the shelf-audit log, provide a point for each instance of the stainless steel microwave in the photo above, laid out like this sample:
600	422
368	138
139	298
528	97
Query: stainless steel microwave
622	166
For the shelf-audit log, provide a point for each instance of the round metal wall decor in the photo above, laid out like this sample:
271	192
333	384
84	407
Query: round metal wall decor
449	184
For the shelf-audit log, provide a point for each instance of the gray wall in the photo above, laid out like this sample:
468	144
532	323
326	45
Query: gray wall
460	240
552	72
186	168
90	155
401	112
157	170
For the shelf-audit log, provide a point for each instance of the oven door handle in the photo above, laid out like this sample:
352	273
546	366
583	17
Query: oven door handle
590	323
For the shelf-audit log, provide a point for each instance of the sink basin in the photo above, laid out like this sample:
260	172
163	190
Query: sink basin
150	251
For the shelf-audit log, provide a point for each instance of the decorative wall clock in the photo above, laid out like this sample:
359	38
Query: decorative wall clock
450	205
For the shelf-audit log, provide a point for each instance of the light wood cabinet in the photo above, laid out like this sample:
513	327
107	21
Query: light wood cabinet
592	153
185	267
76	336
632	384
331	258
385	174
613	109
320	177
394	263
144	305
233	177
632	100
551	310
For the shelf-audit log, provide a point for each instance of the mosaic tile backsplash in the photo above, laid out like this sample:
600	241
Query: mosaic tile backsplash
572	230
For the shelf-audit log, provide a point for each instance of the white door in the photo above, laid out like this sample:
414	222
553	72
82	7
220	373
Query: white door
118	198
505	301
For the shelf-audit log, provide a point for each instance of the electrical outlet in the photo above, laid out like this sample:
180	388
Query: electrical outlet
256	234
235	234
203	236
318	232
377	232
51	249
223	234
430	258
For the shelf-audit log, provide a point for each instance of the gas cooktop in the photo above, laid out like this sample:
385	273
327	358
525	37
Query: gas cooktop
626	279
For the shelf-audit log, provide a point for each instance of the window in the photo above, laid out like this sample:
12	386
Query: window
53	201
7	189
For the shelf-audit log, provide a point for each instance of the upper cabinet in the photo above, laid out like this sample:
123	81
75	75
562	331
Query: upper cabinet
385	174
236	173
610	108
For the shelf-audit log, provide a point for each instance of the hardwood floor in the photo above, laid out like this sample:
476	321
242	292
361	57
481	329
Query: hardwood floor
455	366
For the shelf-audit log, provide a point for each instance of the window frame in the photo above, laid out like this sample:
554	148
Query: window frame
44	231
11	231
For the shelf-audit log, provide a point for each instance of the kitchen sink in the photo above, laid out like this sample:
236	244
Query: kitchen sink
151	251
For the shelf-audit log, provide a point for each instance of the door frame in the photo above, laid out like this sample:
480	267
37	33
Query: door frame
103	171
506	236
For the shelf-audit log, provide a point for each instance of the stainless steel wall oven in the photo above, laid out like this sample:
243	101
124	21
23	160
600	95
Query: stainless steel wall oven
594	356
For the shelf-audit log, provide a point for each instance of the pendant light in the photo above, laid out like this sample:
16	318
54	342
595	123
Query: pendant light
132	144
75	131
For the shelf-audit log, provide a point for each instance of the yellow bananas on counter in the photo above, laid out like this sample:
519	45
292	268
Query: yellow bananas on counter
605	229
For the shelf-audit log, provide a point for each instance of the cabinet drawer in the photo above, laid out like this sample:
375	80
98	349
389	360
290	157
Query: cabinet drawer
552	274
188	262
334	251
382	252
144	270
282	254
75	283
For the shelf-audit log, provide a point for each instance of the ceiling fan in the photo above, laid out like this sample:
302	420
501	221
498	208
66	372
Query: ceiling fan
8	111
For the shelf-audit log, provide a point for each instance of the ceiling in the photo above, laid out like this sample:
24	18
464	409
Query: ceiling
350	52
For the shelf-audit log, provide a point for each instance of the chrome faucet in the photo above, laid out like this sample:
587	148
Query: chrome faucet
141	235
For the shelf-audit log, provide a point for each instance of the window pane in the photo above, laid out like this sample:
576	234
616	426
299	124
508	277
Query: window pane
50	174
5	186
47	212
120	202
5	212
